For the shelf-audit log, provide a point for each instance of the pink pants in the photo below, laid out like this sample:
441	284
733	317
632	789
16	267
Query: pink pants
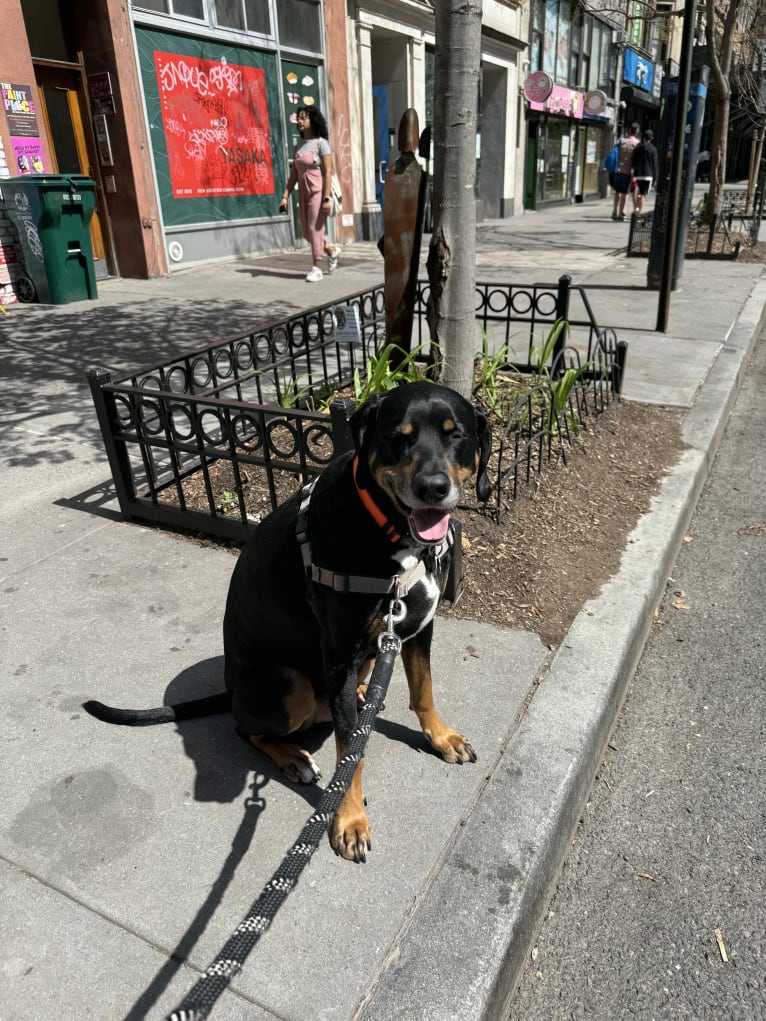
310	187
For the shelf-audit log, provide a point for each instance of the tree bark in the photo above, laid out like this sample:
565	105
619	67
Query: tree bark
452	252
720	65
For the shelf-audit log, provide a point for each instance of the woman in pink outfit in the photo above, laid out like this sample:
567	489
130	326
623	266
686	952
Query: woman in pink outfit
312	172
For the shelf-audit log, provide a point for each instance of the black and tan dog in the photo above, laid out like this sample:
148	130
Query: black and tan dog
311	588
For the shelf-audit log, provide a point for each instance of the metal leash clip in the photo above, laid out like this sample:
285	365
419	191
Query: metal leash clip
389	640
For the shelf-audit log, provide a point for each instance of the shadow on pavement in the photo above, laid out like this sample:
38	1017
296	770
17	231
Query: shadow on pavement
240	845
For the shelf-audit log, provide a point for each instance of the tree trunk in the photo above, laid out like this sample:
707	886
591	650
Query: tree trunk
756	152
452	252
720	65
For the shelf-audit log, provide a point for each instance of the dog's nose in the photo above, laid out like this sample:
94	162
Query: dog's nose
432	487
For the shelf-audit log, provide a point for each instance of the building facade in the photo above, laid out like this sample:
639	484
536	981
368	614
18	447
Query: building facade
183	113
571	98
591	73
391	61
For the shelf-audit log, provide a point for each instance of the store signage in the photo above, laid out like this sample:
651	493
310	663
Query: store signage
216	122
100	93
565	102
595	102
637	70
22	126
99	86
538	86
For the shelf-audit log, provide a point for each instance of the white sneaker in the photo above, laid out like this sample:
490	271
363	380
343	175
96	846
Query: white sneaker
332	259
314	275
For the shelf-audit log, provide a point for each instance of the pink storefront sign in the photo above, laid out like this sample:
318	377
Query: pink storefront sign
565	102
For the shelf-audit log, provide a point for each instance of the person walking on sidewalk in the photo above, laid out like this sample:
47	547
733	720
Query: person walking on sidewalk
624	175
312	172
644	164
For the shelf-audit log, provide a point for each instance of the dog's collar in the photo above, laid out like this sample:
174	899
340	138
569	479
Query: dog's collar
398	584
372	508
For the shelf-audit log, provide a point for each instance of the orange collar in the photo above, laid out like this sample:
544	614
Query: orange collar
372	508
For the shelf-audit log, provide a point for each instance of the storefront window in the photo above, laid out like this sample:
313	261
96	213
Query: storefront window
606	52
595	58
258	17
556	160
241	15
229	14
575	42
182	8
299	25
189	8
536	62
588	141
549	43
562	43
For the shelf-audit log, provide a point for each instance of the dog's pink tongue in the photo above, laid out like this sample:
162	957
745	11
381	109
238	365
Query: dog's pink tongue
429	525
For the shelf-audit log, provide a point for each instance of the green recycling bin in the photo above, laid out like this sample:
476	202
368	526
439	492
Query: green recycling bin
51	213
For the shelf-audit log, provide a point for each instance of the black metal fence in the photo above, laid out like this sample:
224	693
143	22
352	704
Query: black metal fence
739	222
215	439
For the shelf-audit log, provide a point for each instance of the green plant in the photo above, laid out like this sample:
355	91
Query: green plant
289	393
561	386
381	377
227	502
493	386
541	355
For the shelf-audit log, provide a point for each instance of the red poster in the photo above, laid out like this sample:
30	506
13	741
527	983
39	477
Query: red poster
216	123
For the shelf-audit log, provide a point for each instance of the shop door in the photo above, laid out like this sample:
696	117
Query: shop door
65	119
530	167
380	120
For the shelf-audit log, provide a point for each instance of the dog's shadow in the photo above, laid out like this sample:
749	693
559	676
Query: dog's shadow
226	767
223	760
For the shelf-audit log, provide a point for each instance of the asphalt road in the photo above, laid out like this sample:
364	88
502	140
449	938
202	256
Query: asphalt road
670	855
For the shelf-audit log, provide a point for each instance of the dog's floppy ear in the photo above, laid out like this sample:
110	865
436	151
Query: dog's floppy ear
484	434
363	421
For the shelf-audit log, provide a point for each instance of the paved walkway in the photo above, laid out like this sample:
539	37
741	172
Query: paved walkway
127	856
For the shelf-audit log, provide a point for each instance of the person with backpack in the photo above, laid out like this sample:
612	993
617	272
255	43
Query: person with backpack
624	173
644	163
610	166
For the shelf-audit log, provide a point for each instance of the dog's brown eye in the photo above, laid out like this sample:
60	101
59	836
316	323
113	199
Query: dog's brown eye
448	425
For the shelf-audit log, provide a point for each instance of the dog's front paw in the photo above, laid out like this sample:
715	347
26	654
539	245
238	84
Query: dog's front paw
452	747
351	836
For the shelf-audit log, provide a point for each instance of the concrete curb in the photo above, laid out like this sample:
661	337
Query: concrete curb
463	950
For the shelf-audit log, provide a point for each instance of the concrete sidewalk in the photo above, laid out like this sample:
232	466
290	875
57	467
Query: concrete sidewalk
128	856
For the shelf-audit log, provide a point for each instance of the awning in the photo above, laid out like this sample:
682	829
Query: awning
639	97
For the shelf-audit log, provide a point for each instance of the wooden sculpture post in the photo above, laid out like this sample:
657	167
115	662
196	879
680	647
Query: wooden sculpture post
403	204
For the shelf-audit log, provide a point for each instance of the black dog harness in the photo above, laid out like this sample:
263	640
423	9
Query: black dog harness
398	584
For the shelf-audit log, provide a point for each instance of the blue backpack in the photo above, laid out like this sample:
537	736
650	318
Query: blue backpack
610	163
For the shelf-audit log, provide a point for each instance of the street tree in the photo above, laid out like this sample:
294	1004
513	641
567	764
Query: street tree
720	26
452	251
734	42
748	81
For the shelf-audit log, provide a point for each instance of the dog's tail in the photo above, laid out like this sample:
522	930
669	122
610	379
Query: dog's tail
196	707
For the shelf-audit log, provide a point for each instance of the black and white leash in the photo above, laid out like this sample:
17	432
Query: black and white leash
202	997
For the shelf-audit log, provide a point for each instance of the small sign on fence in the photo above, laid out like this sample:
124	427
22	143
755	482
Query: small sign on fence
347	326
